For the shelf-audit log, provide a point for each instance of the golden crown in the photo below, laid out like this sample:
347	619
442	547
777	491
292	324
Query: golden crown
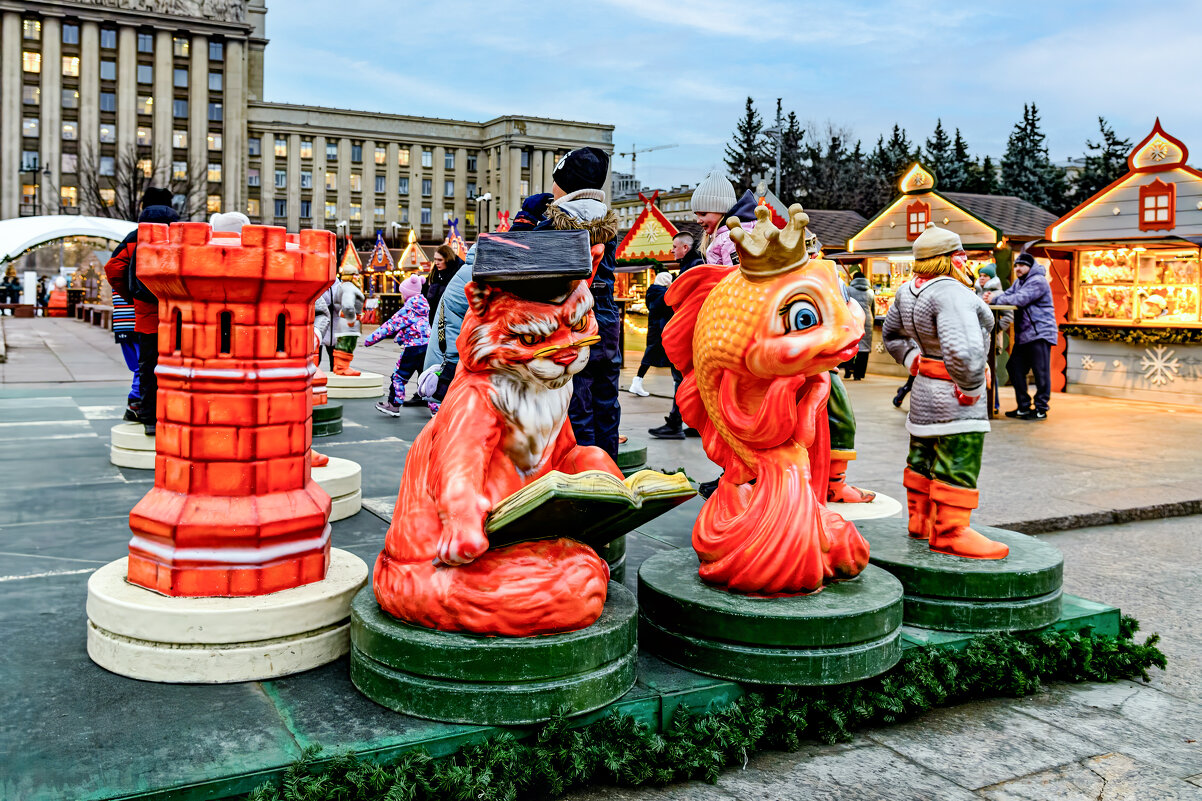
767	251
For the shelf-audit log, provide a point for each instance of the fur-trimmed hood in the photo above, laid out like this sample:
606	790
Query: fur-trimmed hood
584	210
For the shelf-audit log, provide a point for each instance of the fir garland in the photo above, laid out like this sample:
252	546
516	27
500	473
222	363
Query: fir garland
1143	337
620	751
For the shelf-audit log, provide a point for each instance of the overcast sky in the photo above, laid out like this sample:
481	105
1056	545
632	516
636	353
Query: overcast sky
668	72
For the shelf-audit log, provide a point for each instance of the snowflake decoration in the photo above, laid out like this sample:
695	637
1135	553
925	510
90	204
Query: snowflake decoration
1087	362
1160	366
1159	151
880	347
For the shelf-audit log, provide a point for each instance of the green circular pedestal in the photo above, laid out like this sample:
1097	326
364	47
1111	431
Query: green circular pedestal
614	555
632	456
327	419
953	593
848	632
496	681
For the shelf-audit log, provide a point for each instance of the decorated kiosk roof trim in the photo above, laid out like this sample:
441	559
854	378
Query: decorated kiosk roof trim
650	236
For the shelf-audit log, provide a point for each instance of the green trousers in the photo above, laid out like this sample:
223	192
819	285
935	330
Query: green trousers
346	344
842	420
953	458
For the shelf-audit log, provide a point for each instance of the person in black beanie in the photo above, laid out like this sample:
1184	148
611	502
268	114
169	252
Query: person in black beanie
577	201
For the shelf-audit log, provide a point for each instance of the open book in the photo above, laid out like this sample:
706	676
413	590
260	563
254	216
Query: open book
593	507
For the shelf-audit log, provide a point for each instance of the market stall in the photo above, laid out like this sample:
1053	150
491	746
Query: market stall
1126	263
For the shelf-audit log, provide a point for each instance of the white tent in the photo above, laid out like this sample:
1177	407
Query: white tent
22	233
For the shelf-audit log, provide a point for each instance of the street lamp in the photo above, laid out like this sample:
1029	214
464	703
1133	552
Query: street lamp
777	136
486	199
395	228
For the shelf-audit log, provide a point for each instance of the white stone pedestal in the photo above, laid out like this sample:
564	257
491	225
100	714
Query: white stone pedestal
130	447
342	480
135	632
880	506
364	385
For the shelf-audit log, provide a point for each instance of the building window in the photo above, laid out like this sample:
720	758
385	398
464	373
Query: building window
306	148
32	29
281	147
71	66
331	151
332	181
402	157
306	209
70	98
179	109
29	161
31	62
427	158
471	190
252	207
356	212
403	186
380	183
252	176
215	114
180	46
215	82
29	193
427	187
254	145
145	104
331	211
448	189
469	218
213	204
281	179
214	141
356	152
179	170
425	215
525	159
108	38
216	51
70	162
145	42
70	33
448	160
1158	206
108	133
471	162
179	78
31	95
29	126
214	172
525	188
379	213
69	196
381	155
108	166
71	131
281	207
143	135
404	214
356	182
145	73
179	138
306	179
918	214
108	101
108	70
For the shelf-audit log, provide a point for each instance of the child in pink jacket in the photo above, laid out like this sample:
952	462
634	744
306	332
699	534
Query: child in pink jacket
410	328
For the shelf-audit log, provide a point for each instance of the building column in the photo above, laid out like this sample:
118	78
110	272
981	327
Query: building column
537	185
267	179
234	126
461	201
10	115
89	88
391	193
163	93
548	169
344	180
513	183
368	228
127	92
415	188
294	193
52	113
319	182
197	126
437	202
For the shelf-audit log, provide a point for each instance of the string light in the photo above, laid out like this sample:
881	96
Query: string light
638	329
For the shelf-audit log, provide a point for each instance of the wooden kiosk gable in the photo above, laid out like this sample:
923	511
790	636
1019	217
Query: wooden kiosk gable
650	236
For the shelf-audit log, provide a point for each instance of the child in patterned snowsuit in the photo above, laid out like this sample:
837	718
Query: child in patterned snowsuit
410	327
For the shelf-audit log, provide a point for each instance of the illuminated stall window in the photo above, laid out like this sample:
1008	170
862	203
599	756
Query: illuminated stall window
918	214
1157	206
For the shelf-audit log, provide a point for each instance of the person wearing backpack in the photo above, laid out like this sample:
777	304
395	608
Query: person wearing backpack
122	273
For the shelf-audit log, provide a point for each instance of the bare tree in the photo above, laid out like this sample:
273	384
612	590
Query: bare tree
118	191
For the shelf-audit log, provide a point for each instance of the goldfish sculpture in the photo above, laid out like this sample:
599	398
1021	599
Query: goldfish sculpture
755	343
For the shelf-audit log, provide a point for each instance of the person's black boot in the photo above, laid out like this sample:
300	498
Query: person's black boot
133	412
1021	414
707	488
416	400
667	431
899	397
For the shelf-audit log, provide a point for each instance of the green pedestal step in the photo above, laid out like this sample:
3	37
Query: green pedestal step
632	456
848	632
953	593
614	555
497	681
327	419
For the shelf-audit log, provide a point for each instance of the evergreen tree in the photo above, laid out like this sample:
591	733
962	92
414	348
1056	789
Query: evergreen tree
1027	170
791	170
1105	162
984	179
957	176
937	155
750	150
888	160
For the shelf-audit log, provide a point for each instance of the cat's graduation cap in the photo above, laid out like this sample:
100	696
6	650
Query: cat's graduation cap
537	265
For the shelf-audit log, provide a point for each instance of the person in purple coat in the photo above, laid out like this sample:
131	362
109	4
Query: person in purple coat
1037	332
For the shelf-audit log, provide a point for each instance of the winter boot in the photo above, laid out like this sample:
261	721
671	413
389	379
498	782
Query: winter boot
950	532
667	431
636	387
342	363
918	499
318	459
839	491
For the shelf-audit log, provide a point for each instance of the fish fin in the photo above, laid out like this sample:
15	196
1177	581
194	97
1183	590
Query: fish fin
686	296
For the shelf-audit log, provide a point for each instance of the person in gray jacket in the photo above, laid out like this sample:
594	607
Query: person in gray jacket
860	291
1037	333
938	328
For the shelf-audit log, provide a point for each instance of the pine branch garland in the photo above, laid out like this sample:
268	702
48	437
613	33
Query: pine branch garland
1135	336
620	751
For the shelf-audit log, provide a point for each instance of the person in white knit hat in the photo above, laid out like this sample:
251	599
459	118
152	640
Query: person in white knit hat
229	222
711	200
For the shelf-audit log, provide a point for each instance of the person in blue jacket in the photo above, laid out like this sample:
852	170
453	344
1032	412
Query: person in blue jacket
1037	332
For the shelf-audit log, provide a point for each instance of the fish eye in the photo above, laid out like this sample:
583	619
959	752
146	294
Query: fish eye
530	340
800	314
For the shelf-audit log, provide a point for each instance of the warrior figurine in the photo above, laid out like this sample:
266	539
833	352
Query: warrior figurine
348	299
939	329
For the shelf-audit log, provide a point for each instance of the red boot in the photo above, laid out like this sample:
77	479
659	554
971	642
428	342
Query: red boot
318	459
918	499
342	363
950	532
839	491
